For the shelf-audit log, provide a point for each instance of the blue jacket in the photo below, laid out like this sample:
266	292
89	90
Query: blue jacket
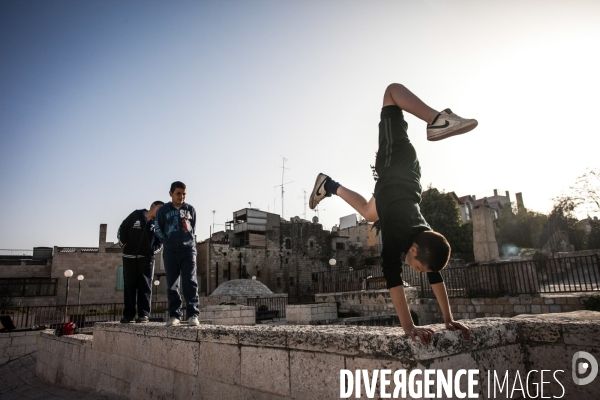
169	227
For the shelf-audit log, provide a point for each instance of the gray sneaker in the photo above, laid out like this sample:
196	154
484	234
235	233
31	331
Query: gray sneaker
174	322
448	124
318	192
193	321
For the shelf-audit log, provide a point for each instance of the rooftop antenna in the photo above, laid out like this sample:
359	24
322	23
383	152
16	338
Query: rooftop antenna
282	185
250	204
304	203
214	211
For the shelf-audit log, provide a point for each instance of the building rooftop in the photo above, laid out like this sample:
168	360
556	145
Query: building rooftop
241	287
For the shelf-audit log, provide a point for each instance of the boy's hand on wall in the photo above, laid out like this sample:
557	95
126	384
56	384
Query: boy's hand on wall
185	225
453	325
425	334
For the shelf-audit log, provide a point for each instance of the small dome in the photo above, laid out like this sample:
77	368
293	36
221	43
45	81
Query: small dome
241	287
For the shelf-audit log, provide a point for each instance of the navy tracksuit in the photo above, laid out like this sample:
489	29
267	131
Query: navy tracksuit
136	233
179	256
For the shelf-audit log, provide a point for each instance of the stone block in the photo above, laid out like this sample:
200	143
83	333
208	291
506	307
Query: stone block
497	308
574	301
26	340
520	309
538	300
502	300
461	308
490	301
220	362
545	309
559	357
330	339
526	300
536	309
581	334
560	300
266	369
212	390
182	356
185	386
541	332
555	309
315	375
183	332
264	336
219	334
548	300
514	300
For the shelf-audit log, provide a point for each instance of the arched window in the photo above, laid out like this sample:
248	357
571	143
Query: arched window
120	282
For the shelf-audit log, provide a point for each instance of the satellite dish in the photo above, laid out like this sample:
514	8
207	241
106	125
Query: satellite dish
315	219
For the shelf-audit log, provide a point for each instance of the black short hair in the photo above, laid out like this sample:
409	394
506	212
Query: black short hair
158	203
176	185
434	250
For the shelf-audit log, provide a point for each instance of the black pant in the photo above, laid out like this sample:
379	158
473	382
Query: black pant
137	279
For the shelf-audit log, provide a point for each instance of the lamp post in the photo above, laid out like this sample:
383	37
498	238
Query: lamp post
68	275
79	278
332	262
156	283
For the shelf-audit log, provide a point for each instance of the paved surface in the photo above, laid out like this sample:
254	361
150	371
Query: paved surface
18	381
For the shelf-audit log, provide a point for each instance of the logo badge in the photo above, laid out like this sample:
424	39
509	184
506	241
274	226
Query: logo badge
583	367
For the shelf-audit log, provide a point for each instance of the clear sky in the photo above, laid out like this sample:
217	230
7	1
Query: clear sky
104	103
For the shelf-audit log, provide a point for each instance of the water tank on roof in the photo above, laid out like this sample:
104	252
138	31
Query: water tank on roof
315	220
42	253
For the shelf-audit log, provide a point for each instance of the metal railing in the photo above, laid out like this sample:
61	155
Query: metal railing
84	315
555	275
269	304
16	253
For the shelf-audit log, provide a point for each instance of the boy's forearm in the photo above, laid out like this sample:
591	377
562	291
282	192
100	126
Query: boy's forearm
439	289
401	305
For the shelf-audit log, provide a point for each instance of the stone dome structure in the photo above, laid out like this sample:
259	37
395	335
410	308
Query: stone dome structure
241	287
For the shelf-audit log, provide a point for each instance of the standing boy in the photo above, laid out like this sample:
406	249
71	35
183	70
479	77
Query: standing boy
175	225
395	203
136	236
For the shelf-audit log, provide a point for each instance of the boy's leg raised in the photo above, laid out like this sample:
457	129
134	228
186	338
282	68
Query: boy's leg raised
325	187
440	125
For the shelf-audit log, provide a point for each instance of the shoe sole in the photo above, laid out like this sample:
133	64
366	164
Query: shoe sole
174	324
458	131
313	202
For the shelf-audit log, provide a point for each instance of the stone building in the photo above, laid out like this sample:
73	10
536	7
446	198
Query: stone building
281	254
41	281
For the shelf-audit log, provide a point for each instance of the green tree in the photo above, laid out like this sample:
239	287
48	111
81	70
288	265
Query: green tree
516	230
441	212
593	238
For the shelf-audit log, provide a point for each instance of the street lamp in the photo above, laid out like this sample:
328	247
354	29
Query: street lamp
68	275
156	283
79	278
332	262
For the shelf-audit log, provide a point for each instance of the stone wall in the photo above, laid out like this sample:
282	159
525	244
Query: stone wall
365	302
311	314
378	302
17	344
152	361
228	315
26	269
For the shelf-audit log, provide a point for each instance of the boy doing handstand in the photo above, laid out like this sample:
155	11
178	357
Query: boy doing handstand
395	203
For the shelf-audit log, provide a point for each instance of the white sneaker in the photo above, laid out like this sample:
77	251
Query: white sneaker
318	192
193	321
448	124
174	322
